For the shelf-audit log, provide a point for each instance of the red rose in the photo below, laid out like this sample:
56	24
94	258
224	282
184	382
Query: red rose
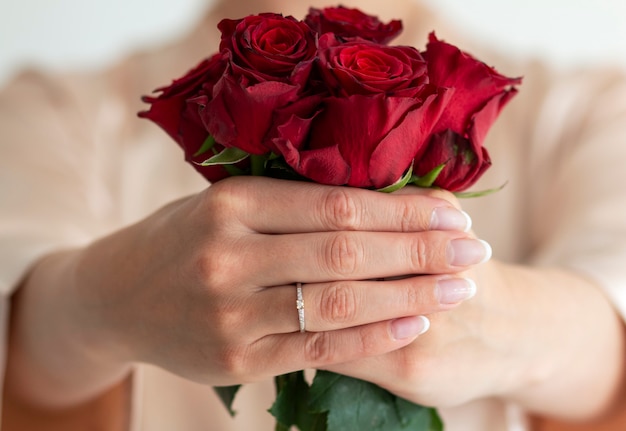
173	112
269	61
362	67
368	134
352	23
242	116
479	93
268	47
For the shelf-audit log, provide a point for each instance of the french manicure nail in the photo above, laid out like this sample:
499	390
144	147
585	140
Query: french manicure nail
467	251
445	218
454	290
409	327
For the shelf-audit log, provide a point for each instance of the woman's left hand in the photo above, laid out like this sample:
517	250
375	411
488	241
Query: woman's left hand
470	352
534	336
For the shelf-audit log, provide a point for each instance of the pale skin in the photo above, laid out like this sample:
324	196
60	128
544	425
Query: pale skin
533	336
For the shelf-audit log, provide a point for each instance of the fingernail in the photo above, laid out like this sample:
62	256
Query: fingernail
464	252
409	327
445	218
454	290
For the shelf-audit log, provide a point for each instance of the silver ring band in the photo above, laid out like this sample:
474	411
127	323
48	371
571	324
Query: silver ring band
300	306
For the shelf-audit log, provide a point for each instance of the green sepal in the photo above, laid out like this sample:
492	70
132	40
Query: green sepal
400	183
479	193
429	179
208	144
257	165
228	156
227	395
234	171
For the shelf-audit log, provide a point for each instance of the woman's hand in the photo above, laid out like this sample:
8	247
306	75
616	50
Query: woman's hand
210	292
205	286
534	336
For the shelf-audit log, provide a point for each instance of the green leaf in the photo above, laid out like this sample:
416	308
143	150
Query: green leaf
227	395
228	156
436	422
429	179
416	417
400	183
353	404
291	406
479	193
208	144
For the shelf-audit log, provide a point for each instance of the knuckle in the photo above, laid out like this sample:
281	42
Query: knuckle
419	253
319	348
233	361
224	320
446	196
412	217
340	210
414	298
212	270
339	303
224	199
344	253
368	343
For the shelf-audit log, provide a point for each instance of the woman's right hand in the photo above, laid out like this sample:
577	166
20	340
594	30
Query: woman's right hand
205	286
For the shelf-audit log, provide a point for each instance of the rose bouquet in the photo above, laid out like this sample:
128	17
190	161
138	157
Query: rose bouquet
328	100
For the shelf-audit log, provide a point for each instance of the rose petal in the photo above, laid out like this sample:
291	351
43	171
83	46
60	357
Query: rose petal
463	165
240	116
352	23
474	82
399	147
357	125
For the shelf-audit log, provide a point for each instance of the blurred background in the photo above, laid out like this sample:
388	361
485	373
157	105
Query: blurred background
91	33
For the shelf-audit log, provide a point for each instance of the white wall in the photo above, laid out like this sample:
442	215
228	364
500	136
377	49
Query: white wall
69	33
77	33
563	31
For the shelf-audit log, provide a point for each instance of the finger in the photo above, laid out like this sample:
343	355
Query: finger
277	206
292	352
433	193
339	305
313	258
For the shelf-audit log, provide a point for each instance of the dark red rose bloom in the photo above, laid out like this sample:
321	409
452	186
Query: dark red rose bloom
349	111
263	65
363	67
173	112
479	94
360	141
242	116
268	47
348	23
269	62
367	134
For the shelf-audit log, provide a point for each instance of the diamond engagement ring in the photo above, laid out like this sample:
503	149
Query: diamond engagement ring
300	306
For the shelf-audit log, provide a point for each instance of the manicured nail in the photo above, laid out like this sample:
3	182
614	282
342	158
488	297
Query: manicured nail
445	218
464	252
454	290
409	327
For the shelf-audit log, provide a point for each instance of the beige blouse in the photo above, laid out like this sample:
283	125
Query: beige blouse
76	163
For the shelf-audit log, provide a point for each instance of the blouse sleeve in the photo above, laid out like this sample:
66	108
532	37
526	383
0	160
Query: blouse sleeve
578	176
49	189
